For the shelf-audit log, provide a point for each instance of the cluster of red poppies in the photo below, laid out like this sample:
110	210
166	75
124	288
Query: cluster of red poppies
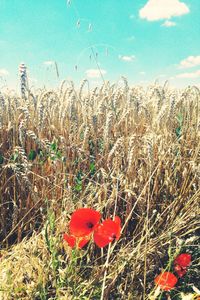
167	280
85	224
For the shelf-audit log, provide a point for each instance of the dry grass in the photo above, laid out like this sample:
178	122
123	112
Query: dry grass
130	151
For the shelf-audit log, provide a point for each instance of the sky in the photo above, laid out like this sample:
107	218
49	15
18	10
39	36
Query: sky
143	40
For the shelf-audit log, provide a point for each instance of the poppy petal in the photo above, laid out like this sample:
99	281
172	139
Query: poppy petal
72	240
117	220
181	273
177	268
107	232
83	242
100	239
183	260
166	281
84	221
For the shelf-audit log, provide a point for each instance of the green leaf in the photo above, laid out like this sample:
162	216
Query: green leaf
32	155
92	168
54	146
78	187
52	157
1	159
180	118
15	156
79	175
178	132
59	154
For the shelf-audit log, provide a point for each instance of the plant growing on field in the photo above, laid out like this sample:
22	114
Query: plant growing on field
125	151
85	222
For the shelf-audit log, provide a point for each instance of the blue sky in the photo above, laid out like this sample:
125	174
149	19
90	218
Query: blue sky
143	40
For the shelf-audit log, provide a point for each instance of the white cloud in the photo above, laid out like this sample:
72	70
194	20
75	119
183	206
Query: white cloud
95	73
127	57
189	62
49	62
4	72
168	23
155	10
142	73
195	74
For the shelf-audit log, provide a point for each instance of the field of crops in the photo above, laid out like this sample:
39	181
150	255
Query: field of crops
130	152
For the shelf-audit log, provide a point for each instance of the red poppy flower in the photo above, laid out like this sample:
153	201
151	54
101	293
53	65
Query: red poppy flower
73	241
183	260
181	263
166	281
180	271
84	221
108	231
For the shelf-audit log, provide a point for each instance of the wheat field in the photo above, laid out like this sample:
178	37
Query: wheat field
130	151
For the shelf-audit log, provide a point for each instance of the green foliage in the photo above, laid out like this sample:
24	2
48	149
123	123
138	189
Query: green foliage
42	156
42	293
55	152
32	155
54	146
1	159
15	156
178	130
78	182
92	168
